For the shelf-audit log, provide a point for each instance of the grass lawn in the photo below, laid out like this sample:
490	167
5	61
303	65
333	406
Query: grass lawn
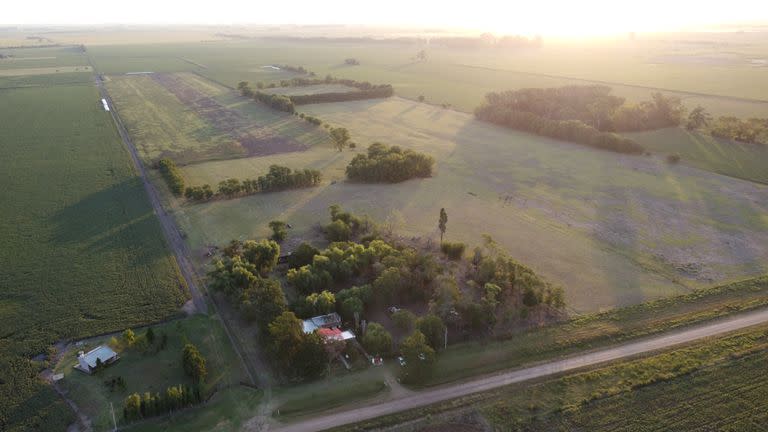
612	229
82	252
228	411
740	160
151	370
339	390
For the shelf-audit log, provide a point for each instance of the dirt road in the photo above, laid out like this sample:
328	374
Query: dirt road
444	393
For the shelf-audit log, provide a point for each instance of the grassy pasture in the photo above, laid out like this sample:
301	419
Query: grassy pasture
35	58
82	252
150	371
612	229
740	160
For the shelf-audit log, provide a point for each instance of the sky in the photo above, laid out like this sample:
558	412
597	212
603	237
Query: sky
545	17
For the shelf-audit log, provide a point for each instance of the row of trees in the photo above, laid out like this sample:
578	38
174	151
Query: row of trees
568	130
278	178
752	130
136	406
274	101
172	175
377	92
593	105
194	363
383	164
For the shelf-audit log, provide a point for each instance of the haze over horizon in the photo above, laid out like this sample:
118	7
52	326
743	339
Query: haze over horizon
548	18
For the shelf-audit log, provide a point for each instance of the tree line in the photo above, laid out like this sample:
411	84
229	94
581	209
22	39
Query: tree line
136	406
568	130
274	101
278	178
172	175
383	91
384	164
366	90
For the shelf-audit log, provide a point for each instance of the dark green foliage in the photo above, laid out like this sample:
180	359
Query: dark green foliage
198	193
384	164
660	112
296	354
302	256
419	358
377	340
136	407
194	363
344	225
263	254
279	231
278	178
698	118
263	301
453	250
753	130
569	130
432	327
404	320
382	91
172	176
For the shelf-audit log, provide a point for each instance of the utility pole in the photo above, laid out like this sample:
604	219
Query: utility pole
114	422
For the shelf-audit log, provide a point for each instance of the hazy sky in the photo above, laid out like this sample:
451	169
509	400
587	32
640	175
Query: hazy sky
554	17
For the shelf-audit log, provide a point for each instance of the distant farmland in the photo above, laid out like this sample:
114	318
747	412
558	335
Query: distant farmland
82	252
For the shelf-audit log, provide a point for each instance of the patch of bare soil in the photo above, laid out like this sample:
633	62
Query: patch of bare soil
227	121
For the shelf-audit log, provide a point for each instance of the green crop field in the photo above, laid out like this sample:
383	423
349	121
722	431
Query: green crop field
612	229
82	252
740	160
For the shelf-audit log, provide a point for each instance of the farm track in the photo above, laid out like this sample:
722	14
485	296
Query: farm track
179	248
444	393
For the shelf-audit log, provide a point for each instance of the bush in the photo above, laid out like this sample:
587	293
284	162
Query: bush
453	250
673	158
172	176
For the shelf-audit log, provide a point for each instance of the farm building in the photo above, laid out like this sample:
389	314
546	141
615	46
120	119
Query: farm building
87	362
323	321
336	334
328	326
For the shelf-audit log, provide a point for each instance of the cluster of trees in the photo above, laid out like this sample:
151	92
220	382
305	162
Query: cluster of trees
278	178
344	225
172	175
375	92
136	406
383	164
295	69
568	130
352	61
194	363
299	355
583	114
660	112
488	40
752	130
274	101
311	119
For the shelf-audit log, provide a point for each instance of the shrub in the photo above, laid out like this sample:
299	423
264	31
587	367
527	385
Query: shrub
673	158
453	250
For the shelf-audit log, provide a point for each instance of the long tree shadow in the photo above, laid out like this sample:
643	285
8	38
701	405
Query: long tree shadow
117	219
